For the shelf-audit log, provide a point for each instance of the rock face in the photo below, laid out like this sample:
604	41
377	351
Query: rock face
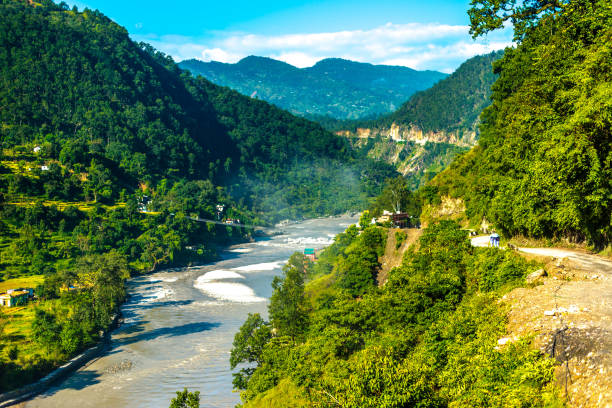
411	133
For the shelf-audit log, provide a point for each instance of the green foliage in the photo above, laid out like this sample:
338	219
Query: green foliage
357	267
451	105
248	347
287	307
400	237
186	399
454	103
427	338
543	165
332	88
120	114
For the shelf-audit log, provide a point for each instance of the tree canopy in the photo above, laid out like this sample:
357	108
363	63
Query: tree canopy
543	167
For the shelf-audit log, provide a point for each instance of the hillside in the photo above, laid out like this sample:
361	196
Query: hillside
427	337
426	133
454	324
92	90
333	87
447	112
543	166
108	153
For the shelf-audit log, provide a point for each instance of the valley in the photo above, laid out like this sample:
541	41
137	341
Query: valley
136	192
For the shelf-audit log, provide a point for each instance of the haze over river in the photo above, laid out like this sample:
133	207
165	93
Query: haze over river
180	324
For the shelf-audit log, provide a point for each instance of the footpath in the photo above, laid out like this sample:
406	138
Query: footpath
567	307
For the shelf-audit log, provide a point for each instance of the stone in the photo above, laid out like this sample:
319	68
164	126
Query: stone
534	276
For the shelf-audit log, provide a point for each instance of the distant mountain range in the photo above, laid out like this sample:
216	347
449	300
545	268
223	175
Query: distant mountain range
424	135
333	87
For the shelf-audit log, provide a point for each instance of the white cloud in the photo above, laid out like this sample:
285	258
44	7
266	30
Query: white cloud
416	45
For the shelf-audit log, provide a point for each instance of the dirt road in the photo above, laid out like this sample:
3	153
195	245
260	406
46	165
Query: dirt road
570	313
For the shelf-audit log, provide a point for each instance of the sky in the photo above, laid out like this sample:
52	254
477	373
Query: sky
425	34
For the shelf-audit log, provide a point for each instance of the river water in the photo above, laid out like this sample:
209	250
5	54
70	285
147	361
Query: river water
180	324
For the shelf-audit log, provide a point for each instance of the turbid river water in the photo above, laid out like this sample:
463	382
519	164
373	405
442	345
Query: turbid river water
180	324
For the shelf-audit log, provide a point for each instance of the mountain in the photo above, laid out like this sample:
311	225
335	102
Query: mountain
110	154
425	134
543	166
447	112
333	87
77	81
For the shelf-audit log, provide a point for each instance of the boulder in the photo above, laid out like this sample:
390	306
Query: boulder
534	276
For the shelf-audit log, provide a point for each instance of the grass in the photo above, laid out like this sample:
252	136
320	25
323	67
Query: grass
62	205
17	333
23	282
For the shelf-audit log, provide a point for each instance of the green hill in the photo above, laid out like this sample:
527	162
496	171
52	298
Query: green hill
543	167
108	151
76	81
427	132
453	104
333	87
434	333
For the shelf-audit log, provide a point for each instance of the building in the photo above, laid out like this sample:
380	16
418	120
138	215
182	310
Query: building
310	253
401	220
385	217
16	297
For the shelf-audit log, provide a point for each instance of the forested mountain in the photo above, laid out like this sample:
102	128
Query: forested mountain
77	81
109	152
333	87
543	166
453	104
446	112
426	133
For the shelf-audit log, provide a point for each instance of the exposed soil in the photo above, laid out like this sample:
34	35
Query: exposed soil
393	256
569	313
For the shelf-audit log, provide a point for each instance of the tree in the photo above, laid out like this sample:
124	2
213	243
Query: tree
45	329
105	274
396	195
186	399
364	220
248	347
489	15
287	307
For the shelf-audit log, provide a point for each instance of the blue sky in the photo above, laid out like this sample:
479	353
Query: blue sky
429	34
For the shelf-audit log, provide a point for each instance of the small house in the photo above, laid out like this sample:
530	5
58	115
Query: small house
37	149
15	297
385	217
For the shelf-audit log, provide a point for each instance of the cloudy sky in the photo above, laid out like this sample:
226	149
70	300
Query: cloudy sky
425	34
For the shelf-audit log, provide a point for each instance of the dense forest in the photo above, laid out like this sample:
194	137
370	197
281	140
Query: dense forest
447	114
452	105
136	111
109	153
332	88
427	338
543	166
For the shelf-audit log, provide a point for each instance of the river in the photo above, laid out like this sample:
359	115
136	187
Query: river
180	324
